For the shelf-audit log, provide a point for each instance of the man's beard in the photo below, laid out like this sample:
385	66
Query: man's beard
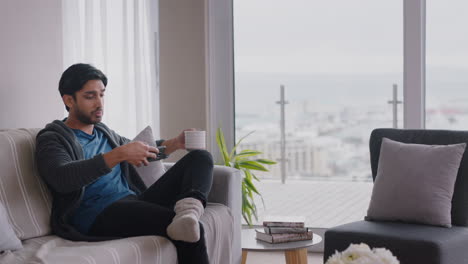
86	119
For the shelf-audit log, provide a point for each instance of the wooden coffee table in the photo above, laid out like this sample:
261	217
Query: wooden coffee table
294	252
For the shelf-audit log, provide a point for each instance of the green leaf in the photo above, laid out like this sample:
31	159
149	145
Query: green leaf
244	197
247	173
263	202
237	144
247	217
222	146
245	154
251	186
252	165
247	150
255	177
243	161
255	212
251	199
248	204
266	161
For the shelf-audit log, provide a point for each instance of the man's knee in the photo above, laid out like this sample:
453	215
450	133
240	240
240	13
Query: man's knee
201	155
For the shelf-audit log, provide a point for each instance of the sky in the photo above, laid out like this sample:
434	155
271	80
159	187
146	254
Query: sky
342	36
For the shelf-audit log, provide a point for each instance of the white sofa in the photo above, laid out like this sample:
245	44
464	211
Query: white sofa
28	205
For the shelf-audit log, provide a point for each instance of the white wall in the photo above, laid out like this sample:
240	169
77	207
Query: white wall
182	67
30	62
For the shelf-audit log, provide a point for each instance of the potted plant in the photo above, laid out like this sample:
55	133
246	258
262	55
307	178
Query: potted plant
246	162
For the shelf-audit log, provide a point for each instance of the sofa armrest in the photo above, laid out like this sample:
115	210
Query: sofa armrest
226	189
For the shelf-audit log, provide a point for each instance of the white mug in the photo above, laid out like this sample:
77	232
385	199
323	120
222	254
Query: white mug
195	140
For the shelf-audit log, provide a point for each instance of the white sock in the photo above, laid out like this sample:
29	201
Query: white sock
185	225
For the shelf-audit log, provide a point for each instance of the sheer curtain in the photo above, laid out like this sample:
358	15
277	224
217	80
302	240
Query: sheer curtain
119	38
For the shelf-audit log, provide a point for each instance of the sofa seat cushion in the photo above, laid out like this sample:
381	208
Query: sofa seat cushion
410	243
217	222
52	249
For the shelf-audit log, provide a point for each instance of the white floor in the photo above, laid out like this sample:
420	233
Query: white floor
325	204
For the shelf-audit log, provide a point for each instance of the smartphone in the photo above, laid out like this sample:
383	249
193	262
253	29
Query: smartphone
161	155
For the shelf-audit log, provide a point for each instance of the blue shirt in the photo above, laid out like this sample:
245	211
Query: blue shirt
102	192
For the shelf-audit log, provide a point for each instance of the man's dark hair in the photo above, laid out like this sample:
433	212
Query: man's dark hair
74	78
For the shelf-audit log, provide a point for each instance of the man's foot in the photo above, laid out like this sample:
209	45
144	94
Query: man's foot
185	225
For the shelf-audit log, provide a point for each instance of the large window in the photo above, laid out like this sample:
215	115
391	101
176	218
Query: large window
447	64
339	63
328	55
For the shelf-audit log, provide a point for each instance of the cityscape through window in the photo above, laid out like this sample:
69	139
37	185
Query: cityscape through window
339	64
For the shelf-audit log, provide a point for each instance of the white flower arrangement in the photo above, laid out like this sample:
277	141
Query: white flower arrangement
362	254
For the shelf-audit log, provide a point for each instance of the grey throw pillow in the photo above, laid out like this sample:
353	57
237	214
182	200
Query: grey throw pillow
415	183
151	173
8	239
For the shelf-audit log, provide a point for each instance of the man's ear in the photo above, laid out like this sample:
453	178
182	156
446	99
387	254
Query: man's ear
68	100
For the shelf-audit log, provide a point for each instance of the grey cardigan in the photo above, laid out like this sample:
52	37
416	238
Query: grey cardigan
62	166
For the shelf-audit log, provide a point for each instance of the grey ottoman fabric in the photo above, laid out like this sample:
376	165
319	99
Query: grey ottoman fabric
410	243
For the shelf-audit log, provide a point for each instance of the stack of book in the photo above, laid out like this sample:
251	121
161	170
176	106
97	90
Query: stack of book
280	229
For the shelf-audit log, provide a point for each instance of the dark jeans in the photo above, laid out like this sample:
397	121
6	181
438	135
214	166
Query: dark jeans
152	211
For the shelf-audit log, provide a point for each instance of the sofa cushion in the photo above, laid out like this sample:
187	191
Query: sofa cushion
25	196
415	182
8	239
151	173
217	222
410	243
430	137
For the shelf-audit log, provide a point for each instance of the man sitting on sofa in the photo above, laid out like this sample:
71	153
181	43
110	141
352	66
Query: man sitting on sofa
98	195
